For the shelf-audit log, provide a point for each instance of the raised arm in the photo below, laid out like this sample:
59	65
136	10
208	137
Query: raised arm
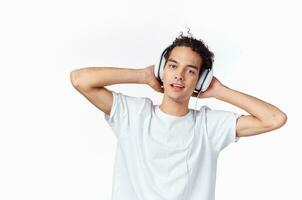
95	77
91	82
264	117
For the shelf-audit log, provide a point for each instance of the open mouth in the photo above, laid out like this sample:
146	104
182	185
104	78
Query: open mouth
177	87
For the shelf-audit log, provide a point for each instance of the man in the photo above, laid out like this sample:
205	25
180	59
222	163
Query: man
168	151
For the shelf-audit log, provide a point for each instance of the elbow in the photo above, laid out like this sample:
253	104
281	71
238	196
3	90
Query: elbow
74	78
280	120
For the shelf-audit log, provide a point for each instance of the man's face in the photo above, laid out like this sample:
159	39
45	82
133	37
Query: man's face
182	67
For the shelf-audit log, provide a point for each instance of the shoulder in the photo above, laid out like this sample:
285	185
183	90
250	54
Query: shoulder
210	112
130	100
214	116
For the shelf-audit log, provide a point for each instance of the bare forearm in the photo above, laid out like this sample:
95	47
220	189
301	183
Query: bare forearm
264	111
102	76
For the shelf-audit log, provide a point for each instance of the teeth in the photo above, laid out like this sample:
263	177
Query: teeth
177	85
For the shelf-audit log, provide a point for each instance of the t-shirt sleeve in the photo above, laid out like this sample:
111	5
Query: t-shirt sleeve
221	127
118	119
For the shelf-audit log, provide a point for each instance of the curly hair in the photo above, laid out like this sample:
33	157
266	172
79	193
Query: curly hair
197	46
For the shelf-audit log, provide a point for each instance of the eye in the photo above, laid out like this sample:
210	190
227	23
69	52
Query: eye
172	66
192	72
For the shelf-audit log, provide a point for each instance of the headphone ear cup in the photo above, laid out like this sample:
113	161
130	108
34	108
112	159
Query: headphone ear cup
158	70
161	68
156	67
204	80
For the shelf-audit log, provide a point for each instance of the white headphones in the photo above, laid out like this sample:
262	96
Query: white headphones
202	85
203	82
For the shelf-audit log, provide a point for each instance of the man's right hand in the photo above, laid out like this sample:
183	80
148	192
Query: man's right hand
151	80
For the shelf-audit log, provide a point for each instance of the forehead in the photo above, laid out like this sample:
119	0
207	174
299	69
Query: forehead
185	56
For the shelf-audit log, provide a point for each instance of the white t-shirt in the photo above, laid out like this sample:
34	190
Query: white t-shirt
160	157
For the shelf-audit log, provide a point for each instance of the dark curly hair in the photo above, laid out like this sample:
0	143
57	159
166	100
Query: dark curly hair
197	46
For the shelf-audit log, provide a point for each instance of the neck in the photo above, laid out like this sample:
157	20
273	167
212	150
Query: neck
172	107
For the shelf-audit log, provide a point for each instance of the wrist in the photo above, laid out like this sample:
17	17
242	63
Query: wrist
220	92
143	76
147	74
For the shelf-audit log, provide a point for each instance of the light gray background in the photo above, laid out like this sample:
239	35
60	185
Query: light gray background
54	144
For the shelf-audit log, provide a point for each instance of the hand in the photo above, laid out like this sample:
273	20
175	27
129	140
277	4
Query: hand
151	80
212	90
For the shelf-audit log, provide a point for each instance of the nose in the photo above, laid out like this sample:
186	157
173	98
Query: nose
179	75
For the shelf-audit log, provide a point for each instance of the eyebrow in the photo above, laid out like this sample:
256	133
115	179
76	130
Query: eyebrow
192	66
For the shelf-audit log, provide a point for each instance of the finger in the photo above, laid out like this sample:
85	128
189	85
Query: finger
160	89
194	94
